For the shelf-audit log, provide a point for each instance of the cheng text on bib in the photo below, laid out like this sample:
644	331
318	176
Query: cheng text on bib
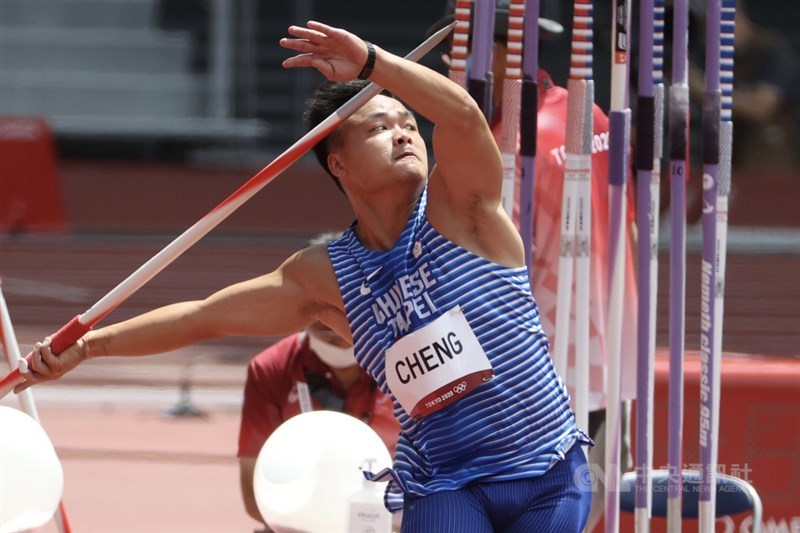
436	365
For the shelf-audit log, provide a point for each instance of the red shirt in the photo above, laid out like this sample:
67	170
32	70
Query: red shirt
548	185
271	395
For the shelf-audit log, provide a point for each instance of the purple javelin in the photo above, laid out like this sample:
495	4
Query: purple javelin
479	84
678	132
645	130
709	371
528	126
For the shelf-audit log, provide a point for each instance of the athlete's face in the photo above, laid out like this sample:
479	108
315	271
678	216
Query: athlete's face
378	145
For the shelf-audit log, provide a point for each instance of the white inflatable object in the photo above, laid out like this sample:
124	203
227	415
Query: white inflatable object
31	477
310	467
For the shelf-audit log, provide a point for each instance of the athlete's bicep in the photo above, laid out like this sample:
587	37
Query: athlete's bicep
277	303
468	161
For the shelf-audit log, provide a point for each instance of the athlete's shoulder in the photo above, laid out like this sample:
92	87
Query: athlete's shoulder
311	267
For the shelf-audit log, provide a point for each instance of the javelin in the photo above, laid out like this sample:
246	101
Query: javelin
648	161
727	16
11	349
512	95
709	361
619	118
81	324
575	210
529	107
678	132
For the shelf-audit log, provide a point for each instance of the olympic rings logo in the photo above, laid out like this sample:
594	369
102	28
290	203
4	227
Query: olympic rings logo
460	388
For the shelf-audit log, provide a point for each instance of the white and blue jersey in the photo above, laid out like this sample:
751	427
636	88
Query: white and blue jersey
516	425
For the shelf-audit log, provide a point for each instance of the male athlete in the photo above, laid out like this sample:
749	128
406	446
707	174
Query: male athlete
430	285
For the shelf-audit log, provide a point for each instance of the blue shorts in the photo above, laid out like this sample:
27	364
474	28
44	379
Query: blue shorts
554	501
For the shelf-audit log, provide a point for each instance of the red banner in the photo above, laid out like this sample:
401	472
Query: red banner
759	438
30	189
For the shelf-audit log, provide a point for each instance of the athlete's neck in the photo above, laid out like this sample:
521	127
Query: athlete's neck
380	223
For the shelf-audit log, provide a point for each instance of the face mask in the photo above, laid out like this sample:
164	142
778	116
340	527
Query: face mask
331	355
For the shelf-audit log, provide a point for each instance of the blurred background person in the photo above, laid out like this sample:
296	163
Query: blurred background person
765	94
766	99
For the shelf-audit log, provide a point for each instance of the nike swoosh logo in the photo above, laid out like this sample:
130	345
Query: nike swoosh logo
364	287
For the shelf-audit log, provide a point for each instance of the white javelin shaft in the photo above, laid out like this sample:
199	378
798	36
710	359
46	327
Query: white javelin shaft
13	355
577	174
583	251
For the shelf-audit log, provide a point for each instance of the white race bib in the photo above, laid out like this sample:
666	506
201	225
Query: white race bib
436	365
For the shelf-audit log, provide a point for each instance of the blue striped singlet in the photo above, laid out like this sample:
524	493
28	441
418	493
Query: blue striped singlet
516	425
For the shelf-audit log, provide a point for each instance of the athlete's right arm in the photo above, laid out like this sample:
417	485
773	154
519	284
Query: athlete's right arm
301	290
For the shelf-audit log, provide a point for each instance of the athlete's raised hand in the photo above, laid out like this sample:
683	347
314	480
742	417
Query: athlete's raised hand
337	54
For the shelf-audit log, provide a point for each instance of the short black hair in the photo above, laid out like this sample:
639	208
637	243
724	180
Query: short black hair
327	98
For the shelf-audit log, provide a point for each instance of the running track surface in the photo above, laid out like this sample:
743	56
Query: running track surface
129	465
